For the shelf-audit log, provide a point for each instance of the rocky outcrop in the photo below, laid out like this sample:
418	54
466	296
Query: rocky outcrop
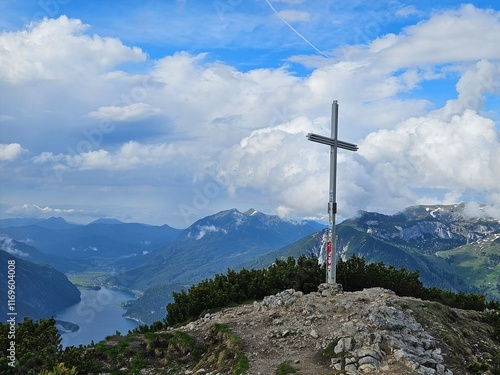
366	333
329	331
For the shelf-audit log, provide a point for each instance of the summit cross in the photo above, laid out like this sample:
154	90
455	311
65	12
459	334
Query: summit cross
334	143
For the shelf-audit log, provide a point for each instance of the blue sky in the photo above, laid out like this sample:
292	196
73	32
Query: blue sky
168	111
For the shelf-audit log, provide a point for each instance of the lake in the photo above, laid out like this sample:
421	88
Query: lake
98	314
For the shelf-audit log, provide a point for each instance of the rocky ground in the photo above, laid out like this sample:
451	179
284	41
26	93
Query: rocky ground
326	332
371	331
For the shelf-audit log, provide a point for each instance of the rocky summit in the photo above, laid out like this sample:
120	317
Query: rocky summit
336	332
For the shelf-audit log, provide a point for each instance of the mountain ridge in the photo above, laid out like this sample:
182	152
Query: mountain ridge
41	290
432	239
211	245
413	238
84	242
369	235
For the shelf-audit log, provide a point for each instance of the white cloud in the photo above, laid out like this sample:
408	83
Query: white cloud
279	162
217	101
475	83
55	49
474	210
256	123
204	229
129	156
34	210
7	244
9	152
132	112
455	155
444	150
27	241
247	127
466	34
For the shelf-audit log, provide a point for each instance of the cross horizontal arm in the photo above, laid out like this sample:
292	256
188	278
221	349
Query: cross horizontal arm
331	142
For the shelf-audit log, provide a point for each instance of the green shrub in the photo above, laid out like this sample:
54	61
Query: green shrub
495	366
60	369
305	274
493	318
459	300
38	346
234	288
355	274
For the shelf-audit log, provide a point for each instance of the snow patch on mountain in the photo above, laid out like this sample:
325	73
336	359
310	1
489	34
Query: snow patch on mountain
251	212
433	212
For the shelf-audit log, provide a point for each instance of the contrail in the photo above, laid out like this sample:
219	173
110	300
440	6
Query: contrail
296	32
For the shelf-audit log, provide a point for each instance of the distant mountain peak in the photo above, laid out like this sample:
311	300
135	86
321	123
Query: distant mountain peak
251	212
225	213
54	223
56	218
235	211
450	212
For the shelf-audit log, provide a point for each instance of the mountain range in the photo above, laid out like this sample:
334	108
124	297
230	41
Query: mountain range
451	248
212	245
74	248
435	240
149	256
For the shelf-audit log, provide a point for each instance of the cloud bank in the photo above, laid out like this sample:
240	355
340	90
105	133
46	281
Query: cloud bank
160	131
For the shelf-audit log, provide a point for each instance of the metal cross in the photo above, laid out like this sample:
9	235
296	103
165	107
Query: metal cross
334	143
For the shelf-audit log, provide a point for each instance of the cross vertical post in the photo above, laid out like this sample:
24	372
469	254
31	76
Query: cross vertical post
331	262
334	143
